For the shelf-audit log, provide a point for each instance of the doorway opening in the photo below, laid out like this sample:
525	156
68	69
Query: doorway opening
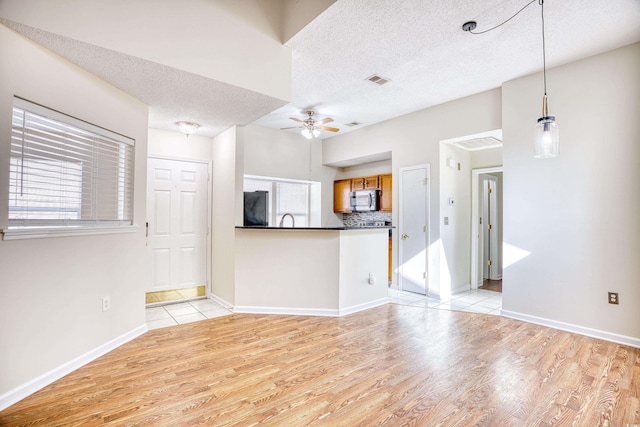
486	229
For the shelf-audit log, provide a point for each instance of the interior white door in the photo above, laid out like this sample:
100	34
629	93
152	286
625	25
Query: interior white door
413	230
177	223
490	227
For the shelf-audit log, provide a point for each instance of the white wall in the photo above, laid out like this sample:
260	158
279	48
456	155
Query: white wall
368	169
455	184
223	215
50	310
413	139
577	214
178	145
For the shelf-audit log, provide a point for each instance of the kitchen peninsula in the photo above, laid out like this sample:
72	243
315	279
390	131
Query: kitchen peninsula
313	271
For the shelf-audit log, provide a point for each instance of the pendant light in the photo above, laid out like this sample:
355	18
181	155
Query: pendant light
547	136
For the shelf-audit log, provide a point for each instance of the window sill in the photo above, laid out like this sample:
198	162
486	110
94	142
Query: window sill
21	233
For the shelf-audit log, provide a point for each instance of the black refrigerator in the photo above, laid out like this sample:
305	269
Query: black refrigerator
256	208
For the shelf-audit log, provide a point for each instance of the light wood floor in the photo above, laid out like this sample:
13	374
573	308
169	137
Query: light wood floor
393	365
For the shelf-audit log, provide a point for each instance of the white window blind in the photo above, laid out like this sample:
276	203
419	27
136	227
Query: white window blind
65	172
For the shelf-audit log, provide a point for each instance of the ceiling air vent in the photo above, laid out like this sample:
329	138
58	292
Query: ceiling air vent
478	143
378	80
352	124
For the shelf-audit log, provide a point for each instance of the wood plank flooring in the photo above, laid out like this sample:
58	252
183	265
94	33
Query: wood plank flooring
393	365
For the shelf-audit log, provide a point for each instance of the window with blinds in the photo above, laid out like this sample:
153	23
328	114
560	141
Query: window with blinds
67	173
284	197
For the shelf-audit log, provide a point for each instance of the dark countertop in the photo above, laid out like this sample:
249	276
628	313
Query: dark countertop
259	227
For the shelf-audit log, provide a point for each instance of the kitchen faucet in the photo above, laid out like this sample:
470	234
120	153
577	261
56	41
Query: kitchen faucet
293	220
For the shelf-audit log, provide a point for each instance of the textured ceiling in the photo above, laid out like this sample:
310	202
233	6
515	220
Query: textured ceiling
420	47
173	95
417	44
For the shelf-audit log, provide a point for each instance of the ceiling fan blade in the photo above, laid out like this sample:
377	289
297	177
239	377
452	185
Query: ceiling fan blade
296	119
328	128
292	127
323	121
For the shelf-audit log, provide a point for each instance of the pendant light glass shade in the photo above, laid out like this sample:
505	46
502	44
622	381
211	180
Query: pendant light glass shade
547	140
547	143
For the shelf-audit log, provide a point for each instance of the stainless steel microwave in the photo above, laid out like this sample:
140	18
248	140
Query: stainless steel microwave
364	200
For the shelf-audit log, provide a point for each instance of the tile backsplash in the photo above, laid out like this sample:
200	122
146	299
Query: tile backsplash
354	218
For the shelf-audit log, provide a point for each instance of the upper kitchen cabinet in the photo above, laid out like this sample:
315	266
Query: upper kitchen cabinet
371	182
365	183
341	189
385	192
357	184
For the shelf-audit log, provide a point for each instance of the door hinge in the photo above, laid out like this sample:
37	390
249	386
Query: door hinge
489	227
425	181
424	228
424	275
490	191
489	263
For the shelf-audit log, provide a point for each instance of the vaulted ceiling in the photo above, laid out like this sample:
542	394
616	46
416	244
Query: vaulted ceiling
227	62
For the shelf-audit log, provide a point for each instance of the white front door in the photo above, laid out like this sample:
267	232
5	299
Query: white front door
177	223
413	230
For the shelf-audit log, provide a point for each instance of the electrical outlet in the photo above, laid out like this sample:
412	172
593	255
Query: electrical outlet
106	303
613	298
372	279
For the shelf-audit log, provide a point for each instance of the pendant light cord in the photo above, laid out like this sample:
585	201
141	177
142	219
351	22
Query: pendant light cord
509	19
544	55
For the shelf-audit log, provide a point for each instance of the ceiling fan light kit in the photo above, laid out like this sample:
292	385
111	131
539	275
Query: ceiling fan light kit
311	127
547	133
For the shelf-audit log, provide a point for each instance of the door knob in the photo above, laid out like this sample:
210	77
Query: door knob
405	236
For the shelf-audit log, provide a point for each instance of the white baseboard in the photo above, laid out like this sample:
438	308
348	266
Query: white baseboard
460	289
364	306
577	329
226	304
249	309
328	312
13	396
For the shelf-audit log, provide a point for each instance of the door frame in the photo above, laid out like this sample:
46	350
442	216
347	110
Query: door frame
208	237
475	219
427	234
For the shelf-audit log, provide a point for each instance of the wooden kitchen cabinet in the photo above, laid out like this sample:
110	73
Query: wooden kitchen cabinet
341	189
385	192
371	182
357	184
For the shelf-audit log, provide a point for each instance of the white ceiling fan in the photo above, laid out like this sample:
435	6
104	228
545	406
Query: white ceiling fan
311	127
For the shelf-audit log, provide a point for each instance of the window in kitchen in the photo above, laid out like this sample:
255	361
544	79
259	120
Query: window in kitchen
67	173
299	198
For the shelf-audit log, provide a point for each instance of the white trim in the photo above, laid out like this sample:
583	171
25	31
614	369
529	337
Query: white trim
248	309
45	232
460	289
178	159
475	182
364	306
30	387
327	312
576	329
226	304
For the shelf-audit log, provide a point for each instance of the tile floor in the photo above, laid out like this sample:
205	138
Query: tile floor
184	312
475	301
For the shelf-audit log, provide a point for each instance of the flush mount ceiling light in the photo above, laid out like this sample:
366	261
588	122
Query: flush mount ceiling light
188	127
547	135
